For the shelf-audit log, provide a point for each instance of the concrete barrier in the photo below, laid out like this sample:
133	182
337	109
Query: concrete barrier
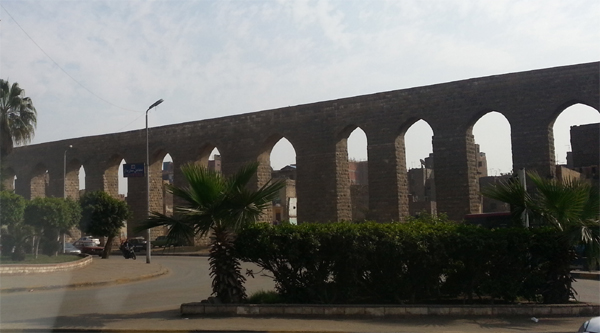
303	310
16	269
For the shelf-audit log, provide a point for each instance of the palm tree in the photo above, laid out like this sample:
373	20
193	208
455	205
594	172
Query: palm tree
15	238
18	117
571	206
219	206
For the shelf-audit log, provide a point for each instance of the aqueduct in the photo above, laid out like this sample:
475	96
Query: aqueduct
530	101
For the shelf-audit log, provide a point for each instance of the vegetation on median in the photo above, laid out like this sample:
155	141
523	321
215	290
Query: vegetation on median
414	262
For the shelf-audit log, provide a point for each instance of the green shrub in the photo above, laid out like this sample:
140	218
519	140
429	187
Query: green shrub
264	297
412	262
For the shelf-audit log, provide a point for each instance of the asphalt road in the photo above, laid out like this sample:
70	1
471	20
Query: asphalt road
153	305
189	281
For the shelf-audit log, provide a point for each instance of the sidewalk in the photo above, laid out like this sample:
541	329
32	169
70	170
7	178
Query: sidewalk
99	272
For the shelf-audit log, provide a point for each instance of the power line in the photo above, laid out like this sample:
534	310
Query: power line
57	65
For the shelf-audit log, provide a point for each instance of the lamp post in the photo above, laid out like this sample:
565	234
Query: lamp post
147	170
65	185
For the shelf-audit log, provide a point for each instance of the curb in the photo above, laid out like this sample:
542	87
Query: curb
17	269
386	311
586	275
163	271
183	254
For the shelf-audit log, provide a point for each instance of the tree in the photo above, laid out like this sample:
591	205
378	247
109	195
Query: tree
13	232
12	207
51	217
18	117
571	206
103	215
217	205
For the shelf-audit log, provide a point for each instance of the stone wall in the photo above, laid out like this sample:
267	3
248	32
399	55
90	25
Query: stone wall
530	101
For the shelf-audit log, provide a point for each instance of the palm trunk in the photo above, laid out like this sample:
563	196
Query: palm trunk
228	282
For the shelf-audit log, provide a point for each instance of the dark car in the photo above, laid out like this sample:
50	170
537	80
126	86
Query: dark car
163	241
138	244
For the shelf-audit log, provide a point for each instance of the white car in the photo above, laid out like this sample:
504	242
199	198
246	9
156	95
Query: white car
591	326
96	241
71	249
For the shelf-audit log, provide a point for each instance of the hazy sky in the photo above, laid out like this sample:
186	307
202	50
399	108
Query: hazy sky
94	67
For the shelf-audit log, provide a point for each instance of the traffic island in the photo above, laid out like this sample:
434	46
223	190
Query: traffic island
18	269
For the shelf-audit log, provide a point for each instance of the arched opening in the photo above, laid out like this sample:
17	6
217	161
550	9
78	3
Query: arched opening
420	168
492	135
418	144
168	174
576	142
282	165
81	180
214	160
493	155
358	172
210	157
575	115
282	155
123	186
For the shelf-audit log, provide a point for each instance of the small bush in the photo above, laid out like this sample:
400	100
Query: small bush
265	297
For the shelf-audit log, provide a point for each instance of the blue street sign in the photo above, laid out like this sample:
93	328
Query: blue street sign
133	170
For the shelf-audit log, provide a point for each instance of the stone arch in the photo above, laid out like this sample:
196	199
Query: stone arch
71	185
416	169
571	115
206	157
567	104
159	178
111	175
489	142
485	145
342	175
9	179
475	164
264	158
40	179
281	209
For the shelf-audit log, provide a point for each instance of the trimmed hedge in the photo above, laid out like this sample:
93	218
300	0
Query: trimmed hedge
414	262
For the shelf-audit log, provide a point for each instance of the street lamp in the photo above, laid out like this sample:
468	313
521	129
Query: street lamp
147	169
65	185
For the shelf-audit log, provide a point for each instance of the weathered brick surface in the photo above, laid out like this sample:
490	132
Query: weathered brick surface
530	101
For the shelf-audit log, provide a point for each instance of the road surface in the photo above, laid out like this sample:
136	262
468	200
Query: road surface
154	304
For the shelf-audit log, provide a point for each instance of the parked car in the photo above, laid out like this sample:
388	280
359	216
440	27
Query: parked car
137	243
163	241
90	239
71	249
591	326
89	247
